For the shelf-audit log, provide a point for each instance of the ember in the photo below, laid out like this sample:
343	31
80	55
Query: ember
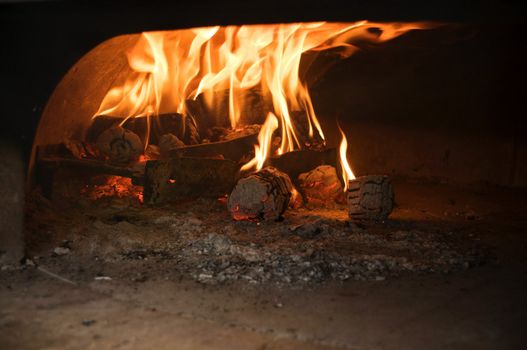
113	186
262	195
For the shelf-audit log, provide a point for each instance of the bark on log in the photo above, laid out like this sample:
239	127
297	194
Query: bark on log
252	104
168	143
321	186
46	169
120	145
370	198
168	180
297	162
183	127
233	149
261	195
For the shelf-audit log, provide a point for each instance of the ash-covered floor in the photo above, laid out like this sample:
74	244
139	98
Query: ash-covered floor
448	270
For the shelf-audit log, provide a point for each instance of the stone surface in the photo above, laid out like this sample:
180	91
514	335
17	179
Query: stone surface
236	305
370	198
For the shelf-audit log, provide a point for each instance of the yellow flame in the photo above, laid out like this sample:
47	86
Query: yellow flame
263	149
347	173
170	68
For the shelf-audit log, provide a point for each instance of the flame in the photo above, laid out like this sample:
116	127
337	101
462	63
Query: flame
347	173
173	67
262	150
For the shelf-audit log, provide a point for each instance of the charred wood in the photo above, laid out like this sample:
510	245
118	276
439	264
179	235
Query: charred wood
120	145
370	198
321	186
263	195
169	143
47	167
234	149
184	127
168	180
297	162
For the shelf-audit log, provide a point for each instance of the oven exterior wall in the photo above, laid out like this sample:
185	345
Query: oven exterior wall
12	179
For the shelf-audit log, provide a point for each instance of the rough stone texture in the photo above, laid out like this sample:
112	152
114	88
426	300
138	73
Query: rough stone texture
199	239
120	145
262	195
370	198
12	204
321	186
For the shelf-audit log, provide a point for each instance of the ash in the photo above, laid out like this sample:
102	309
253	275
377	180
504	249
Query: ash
198	239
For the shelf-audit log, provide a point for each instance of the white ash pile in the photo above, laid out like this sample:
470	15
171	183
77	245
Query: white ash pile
203	242
218	259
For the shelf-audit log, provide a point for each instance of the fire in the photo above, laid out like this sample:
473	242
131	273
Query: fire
262	150
347	173
171	68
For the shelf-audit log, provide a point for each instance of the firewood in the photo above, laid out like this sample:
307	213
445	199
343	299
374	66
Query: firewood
120	145
233	149
185	128
100	124
181	126
262	195
192	136
252	103
321	186
152	152
170	179
80	150
47	169
168	143
297	162
370	198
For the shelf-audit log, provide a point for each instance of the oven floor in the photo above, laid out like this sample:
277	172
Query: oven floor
148	303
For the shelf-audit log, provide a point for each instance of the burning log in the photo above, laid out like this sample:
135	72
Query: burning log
370	198
297	162
169	143
219	133
52	170
262	195
321	186
80	150
234	149
120	145
183	127
168	180
152	152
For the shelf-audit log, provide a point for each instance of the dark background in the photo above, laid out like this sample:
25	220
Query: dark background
40	41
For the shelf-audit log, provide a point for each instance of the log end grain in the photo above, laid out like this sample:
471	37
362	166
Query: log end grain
370	198
263	195
321	186
120	145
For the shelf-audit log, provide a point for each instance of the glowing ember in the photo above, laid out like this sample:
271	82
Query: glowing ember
262	150
170	68
113	187
347	173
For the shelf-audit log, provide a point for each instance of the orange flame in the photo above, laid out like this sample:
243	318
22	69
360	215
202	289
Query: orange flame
262	150
170	68
347	173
